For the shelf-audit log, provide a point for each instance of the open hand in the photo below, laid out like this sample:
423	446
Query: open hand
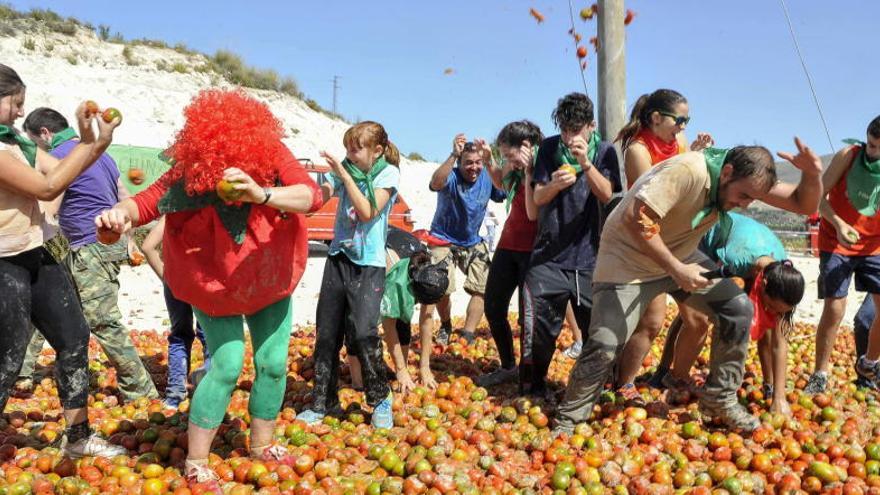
703	141
806	160
458	144
334	163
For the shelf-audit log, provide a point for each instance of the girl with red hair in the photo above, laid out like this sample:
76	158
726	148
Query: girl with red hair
233	258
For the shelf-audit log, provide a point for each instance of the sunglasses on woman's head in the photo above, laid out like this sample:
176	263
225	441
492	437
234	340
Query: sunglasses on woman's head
679	119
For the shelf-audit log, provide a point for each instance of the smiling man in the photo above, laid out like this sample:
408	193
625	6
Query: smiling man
463	192
649	246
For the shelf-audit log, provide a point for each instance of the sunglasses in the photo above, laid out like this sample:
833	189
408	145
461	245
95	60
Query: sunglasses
679	120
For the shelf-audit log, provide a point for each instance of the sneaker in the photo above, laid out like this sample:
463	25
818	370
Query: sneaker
862	382
767	391
574	350
93	446
631	395
310	417
468	337
678	385
443	335
203	475
870	370
497	377
734	416
24	385
171	405
817	383
655	381
382	414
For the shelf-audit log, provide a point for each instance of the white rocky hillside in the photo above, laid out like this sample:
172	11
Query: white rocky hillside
151	86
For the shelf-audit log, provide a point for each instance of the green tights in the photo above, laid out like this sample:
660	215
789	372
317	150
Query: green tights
270	336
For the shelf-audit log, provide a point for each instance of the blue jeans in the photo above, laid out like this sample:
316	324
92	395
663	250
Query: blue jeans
180	346
862	325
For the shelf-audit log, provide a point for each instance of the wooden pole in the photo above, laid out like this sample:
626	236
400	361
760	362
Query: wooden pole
612	68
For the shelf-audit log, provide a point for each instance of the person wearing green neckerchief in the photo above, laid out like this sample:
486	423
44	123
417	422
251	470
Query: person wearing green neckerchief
35	289
576	173
650	246
366	182
93	266
465	183
849	244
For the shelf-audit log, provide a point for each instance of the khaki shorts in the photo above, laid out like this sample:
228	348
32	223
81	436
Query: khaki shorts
473	262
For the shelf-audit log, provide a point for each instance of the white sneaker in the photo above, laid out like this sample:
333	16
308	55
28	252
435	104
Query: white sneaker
94	446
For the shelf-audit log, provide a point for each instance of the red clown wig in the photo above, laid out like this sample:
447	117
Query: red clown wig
226	129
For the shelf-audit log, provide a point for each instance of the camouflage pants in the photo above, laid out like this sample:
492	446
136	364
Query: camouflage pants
95	272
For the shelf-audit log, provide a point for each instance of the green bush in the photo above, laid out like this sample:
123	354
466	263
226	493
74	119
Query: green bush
104	32
128	55
416	157
180	68
28	44
67	27
72	59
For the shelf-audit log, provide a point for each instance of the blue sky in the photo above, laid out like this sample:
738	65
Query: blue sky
734	61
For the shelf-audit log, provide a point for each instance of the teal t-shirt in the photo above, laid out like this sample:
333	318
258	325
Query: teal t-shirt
398	301
747	241
363	243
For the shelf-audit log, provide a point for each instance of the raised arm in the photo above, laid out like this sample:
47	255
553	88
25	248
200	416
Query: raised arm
439	177
804	197
27	181
359	201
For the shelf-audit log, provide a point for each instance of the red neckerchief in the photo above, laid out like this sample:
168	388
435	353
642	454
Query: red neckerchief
659	149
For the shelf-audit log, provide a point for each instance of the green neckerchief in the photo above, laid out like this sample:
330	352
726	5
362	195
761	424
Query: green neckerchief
514	178
563	154
61	137
28	147
863	182
361	177
714	162
234	218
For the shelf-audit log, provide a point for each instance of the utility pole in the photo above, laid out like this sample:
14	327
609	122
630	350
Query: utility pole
335	90
612	68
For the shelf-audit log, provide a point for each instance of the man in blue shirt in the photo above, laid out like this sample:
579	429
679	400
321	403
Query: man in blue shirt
463	192
93	266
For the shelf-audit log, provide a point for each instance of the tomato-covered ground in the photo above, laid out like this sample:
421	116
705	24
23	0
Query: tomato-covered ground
460	438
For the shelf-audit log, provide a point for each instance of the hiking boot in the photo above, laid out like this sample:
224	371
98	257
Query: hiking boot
870	370
574	350
497	377
818	382
631	395
733	416
93	446
201	474
382	414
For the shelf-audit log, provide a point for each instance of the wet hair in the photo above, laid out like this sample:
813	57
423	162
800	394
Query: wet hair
10	82
45	117
369	134
573	111
874	127
515	133
782	281
662	100
752	162
469	147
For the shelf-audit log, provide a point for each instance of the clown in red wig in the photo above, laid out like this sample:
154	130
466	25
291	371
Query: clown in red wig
232	261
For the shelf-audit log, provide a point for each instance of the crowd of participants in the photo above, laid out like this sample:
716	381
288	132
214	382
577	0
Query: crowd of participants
586	240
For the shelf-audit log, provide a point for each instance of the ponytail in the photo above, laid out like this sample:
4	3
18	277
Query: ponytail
635	124
662	100
392	154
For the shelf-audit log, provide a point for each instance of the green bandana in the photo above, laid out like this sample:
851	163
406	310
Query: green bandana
714	161
514	178
863	182
28	147
61	137
360	177
234	218
398	300
564	156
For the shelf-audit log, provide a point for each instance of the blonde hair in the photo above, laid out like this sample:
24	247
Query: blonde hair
368	134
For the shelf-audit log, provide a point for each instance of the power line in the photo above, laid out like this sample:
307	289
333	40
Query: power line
806	73
335	90
577	60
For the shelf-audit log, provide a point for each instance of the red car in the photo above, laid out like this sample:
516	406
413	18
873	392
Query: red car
321	222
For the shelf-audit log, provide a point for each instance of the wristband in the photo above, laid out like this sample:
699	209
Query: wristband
268	193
